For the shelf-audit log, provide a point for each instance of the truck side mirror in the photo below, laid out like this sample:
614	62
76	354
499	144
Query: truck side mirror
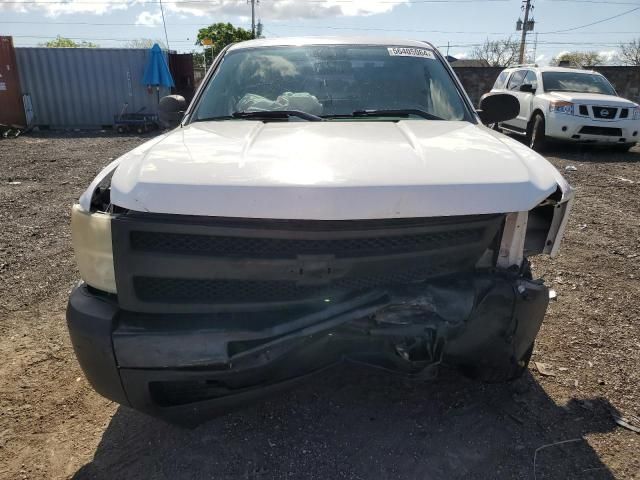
498	107
527	88
171	110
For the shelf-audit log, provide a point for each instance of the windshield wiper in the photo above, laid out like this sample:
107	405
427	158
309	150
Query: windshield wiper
278	114
401	112
209	119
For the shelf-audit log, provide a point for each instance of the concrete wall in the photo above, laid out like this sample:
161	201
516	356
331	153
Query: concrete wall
479	80
626	80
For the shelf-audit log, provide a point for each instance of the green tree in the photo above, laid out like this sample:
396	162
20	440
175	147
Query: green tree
220	35
62	42
630	53
198	58
578	59
499	53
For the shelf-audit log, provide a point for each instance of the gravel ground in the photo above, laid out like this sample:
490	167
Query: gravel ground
345	423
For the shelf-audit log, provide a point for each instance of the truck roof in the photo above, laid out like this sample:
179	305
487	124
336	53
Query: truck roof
549	69
295	41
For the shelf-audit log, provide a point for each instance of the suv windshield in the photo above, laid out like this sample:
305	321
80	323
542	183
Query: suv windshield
329	81
576	82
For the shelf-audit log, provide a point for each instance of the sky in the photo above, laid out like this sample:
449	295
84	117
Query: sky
454	26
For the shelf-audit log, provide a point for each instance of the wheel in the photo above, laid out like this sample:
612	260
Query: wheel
140	129
623	148
120	130
536	136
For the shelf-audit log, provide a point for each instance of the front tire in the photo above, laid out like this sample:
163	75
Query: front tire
624	148
536	137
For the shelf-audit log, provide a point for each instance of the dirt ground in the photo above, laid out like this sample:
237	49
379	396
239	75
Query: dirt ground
349	422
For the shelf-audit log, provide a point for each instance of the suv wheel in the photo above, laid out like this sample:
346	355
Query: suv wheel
624	147
535	135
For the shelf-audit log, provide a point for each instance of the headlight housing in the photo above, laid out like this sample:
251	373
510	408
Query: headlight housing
636	113
91	234
561	107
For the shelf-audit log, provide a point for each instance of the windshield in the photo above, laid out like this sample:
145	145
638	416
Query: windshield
576	82
330	81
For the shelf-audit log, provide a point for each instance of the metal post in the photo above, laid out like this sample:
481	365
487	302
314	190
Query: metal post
253	18
525	25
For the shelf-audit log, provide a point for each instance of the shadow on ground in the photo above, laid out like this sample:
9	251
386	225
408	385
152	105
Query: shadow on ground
591	153
584	152
352	422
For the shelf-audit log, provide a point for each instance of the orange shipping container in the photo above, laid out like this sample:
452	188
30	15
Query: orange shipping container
11	108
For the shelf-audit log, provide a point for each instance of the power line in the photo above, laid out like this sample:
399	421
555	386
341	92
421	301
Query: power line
48	37
600	2
107	24
596	22
164	24
219	3
458	45
306	27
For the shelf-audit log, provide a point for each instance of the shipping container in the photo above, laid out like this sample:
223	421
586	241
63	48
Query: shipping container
85	87
11	109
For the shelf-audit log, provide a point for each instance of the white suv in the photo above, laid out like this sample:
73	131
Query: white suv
568	104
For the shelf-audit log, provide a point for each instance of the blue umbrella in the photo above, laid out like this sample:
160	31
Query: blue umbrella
157	73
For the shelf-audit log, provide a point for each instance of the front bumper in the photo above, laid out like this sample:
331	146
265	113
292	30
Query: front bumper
578	128
187	367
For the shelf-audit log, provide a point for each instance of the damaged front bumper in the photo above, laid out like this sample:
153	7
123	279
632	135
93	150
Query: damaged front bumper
186	367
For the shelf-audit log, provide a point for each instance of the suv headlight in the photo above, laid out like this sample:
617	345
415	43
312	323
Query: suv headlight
636	113
91	235
561	107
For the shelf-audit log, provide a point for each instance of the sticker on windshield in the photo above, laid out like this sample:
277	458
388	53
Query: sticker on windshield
411	52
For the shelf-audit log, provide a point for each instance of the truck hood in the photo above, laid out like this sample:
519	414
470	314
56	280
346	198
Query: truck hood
592	99
332	171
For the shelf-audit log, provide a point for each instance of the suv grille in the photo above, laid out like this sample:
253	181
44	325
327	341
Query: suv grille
606	131
171	264
604	112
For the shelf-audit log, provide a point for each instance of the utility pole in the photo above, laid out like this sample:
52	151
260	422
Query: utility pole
525	29
253	18
164	24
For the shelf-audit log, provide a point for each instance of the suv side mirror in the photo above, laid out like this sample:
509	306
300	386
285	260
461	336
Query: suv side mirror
171	110
498	107
527	88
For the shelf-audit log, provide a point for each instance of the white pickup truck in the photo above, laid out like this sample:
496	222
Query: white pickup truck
319	200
